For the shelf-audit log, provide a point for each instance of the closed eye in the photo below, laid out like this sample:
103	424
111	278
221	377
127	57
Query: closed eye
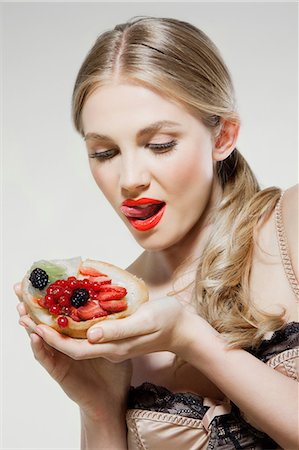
107	154
162	148
157	148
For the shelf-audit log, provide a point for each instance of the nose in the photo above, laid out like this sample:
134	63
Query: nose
134	175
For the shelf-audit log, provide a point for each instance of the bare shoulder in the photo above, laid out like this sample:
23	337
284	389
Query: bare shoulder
290	212
269	285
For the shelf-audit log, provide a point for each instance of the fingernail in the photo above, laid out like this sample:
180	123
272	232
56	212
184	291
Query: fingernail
95	334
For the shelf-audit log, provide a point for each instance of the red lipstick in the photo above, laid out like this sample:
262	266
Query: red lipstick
144	213
141	201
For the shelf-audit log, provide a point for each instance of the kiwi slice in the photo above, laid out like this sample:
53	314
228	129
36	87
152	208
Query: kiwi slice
54	271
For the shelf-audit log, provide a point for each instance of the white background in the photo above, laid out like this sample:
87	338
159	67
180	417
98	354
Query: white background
52	207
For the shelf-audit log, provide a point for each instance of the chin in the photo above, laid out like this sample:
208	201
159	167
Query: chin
156	242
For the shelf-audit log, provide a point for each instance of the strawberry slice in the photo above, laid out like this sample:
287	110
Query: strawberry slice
114	287
91	310
109	292
101	280
114	306
74	314
89	271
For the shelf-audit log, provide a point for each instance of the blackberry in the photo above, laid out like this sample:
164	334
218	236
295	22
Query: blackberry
39	278
79	297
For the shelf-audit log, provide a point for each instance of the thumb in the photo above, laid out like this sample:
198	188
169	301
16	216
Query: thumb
114	330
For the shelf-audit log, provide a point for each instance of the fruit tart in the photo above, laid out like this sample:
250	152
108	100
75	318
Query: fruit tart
73	294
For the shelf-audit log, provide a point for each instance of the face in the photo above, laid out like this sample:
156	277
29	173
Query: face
143	146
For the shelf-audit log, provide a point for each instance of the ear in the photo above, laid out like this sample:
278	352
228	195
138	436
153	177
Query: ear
225	142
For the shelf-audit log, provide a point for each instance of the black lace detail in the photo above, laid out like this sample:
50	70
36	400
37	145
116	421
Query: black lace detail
157	398
281	340
228	431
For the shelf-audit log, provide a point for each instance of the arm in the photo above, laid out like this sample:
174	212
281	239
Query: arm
269	398
97	386
109	433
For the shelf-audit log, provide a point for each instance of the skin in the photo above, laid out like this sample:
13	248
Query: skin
137	170
165	324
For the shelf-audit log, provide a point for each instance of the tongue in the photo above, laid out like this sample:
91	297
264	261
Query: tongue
141	213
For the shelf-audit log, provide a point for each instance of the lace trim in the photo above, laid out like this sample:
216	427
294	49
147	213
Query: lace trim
281	340
286	359
282	357
227	431
283	247
159	399
164	417
137	436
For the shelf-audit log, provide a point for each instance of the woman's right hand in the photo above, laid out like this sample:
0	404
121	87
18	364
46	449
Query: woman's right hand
98	386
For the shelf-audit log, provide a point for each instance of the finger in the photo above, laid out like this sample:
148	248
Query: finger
21	308
75	348
42	353
27	323
79	349
114	330
18	291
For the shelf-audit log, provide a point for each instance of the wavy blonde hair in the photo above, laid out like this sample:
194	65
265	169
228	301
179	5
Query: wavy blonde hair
176	59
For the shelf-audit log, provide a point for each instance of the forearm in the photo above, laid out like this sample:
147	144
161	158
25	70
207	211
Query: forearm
103	434
269	398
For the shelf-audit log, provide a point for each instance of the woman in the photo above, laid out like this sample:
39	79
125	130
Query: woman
155	104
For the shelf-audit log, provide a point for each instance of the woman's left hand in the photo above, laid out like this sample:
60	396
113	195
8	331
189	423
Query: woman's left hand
158	325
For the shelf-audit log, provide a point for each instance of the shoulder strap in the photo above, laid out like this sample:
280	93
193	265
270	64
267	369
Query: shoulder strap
283	246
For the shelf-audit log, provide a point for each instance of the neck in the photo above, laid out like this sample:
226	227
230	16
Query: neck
161	265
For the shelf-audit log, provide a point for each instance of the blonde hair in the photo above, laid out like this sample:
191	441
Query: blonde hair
176	59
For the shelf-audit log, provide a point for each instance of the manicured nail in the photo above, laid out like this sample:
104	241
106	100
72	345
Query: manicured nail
95	334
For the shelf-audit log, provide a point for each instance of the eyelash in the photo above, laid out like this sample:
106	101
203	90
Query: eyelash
168	146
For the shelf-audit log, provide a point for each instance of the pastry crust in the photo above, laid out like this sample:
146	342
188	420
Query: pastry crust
137	294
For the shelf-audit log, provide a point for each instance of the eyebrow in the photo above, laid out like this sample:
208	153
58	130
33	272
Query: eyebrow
149	130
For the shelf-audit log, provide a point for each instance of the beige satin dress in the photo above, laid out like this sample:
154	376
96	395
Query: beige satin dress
174	425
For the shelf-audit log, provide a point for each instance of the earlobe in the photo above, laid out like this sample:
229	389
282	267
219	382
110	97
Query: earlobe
226	140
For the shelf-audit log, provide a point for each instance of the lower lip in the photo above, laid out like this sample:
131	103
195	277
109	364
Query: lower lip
147	224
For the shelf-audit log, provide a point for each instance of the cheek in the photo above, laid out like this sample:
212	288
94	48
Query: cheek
195	169
105	180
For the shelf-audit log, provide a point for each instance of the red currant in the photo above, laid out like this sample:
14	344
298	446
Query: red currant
61	283
58	292
64	301
62	321
67	310
96	286
55	309
71	278
49	300
51	289
67	291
